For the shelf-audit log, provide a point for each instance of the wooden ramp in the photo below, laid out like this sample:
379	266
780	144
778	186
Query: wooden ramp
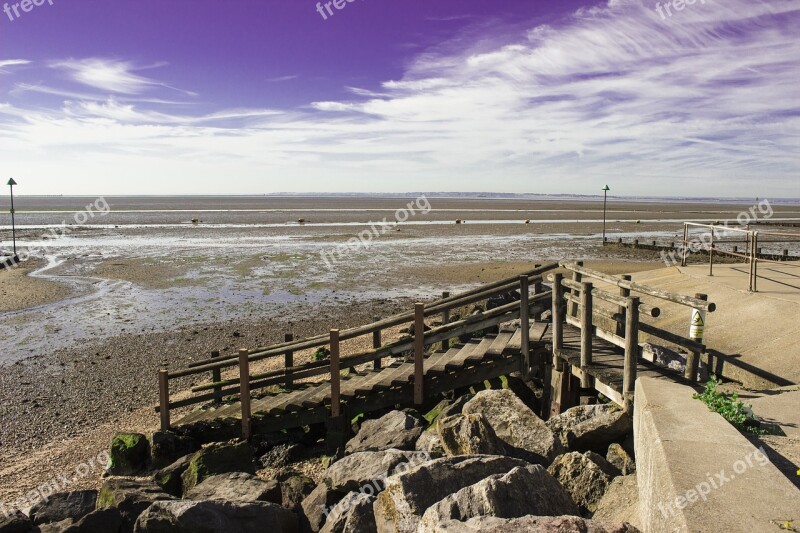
463	365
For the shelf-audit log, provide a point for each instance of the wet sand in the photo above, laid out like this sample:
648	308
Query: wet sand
19	291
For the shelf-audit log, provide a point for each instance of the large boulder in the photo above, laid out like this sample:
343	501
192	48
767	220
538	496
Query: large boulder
236	487
591	427
99	521
218	458
130	454
15	522
169	477
522	491
531	524
526	435
447	408
64	505
282	455
370	468
585	481
130	496
216	517
468	435
408	495
620	502
167	447
353	514
396	430
620	459
317	506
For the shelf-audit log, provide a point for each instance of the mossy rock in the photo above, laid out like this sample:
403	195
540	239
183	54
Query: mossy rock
167	447
130	453
218	458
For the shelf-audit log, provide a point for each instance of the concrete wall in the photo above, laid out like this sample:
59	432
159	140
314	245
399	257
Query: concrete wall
697	473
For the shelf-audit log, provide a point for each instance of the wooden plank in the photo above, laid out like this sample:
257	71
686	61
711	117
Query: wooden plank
479	353
349	390
365	386
402	373
538	331
457	362
499	344
439	365
516	341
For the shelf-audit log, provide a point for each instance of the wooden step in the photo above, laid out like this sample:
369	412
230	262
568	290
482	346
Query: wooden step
479	353
439	365
499	345
365	387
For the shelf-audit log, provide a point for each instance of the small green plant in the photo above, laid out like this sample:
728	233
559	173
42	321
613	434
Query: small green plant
729	406
321	354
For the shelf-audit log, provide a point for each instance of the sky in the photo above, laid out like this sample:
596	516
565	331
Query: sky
525	96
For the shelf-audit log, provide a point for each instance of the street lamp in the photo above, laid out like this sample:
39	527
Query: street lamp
11	184
605	200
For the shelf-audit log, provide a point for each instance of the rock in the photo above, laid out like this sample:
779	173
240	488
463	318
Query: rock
531	524
64	505
15	523
235	487
447	408
217	517
468	435
582	478
620	459
408	495
99	521
169	478
370	468
316	507
130	496
282	455
353	514
294	490
591	427
167	447
620	502
609	469
218	458
664	357
395	430
526	435
431	443
130	453
522	491
502	299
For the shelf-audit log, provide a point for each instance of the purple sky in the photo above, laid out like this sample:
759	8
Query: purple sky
247	96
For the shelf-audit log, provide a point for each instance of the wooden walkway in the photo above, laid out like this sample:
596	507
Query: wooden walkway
463	365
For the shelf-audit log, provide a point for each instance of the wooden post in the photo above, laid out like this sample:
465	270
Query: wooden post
216	377
586	332
696	332
558	314
631	350
445	321
685	244
163	398
525	325
336	378
288	360
538	288
376	343
572	307
419	353
244	396
625	293
755	261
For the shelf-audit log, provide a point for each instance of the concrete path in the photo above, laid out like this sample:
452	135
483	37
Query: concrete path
758	332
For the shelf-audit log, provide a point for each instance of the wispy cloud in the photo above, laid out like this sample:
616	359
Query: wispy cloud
280	79
12	63
704	103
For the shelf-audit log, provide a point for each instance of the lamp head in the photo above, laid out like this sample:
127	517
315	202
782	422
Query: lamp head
11	182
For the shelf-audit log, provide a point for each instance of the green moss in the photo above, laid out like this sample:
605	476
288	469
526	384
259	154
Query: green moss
130	453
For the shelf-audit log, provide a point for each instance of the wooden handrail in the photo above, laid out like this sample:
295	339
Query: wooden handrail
644	308
644	289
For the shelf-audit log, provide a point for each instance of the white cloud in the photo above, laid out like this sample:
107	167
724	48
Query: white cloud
701	104
4	63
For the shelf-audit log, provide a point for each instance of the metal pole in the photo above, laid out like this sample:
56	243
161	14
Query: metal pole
13	224
605	198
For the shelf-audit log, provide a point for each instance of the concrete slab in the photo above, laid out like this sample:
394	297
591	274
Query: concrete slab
697	473
780	407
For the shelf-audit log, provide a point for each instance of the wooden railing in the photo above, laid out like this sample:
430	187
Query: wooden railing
246	382
573	302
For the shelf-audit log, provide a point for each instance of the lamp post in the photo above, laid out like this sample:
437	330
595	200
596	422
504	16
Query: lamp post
605	200
11	184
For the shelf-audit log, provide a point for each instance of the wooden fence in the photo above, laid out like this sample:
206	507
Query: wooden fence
533	301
